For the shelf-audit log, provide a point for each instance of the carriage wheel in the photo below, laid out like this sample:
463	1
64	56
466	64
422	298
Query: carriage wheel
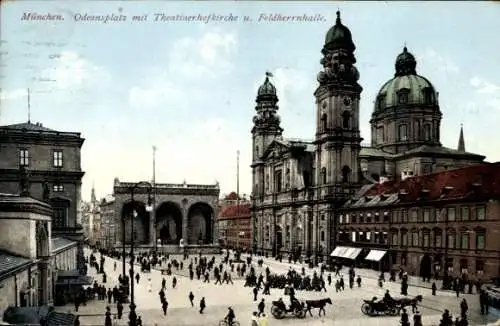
366	309
223	323
277	312
394	311
300	313
236	323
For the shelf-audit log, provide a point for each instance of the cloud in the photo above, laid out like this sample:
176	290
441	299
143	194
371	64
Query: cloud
72	71
208	56
489	92
438	62
13	94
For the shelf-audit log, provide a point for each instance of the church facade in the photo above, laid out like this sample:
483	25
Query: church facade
298	186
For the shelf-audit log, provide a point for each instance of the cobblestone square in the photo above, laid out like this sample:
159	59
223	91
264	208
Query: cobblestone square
344	311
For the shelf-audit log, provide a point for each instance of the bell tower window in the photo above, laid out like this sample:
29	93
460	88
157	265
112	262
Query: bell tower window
427	132
324	122
403	132
346	173
346	117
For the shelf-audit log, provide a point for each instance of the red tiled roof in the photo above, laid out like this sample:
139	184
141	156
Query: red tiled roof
233	212
476	180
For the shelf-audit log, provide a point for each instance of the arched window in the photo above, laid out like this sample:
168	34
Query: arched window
403	132
346	117
323	175
346	173
324	121
427	132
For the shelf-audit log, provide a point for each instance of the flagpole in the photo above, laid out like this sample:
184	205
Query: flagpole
154	198
237	199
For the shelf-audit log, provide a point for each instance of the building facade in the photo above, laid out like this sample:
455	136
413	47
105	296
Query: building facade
181	211
298	184
234	223
444	221
53	161
108	226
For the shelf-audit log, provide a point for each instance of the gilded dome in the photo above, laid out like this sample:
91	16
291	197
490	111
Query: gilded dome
406	88
339	36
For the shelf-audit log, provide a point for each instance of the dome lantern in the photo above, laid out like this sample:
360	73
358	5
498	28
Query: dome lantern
405	64
267	88
339	36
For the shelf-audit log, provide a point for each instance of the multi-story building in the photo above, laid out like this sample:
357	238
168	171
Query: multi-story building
298	184
108	227
448	220
48	164
234	223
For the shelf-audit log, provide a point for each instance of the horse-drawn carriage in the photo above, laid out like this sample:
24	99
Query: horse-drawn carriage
375	307
298	308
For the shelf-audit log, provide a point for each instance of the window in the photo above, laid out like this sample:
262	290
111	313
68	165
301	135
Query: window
414	237
278	181
322	217
465	213
322	235
404	238
480	241
403	98
464	240
451	241
426	239
428	96
427	215
403	132
324	121
480	213
479	267
24	157
58	159
341	219
427	132
395	216
346	116
437	239
353	218
404	216
347	218
323	175
346	173
451	213
58	187
60	216
414	215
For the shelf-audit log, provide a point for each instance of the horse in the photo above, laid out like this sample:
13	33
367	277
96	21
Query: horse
404	302
319	304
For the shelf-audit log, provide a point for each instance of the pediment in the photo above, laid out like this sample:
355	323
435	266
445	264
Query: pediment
277	147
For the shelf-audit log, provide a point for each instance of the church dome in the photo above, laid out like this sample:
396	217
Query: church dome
339	36
267	88
406	88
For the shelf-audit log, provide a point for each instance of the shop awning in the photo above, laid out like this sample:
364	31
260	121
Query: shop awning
339	251
346	252
375	255
80	280
352	253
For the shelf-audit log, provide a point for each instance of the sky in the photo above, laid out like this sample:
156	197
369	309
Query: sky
189	87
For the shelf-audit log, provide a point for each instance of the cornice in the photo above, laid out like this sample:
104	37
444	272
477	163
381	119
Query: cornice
43	175
55	138
20	207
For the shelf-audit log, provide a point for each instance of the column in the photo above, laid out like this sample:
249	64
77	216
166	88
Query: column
152	227
184	224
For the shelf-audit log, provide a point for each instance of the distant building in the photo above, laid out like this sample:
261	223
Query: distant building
444	221
234	223
108	228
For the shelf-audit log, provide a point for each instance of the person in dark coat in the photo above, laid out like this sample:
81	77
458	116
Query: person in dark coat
464	307
255	292
261	306
174	282
163	283
164	306
77	303
202	305
191	298
107	319
434	288
104	277
77	321
137	278
119	308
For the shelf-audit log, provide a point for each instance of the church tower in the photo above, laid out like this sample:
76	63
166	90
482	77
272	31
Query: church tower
338	139
266	128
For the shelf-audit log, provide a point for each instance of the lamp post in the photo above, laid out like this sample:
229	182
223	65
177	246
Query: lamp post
149	208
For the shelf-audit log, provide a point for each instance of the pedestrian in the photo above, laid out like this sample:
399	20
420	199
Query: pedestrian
434	288
174	282
261	306
191	298
77	303
139	321
164	306
358	280
163	283
329	278
137	277
417	319
114	267
107	319
77	321
255	320
464	307
255	292
202	305
119	308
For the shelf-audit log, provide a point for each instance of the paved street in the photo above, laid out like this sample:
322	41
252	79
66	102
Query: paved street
344	311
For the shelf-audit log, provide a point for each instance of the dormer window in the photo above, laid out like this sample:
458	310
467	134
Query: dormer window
381	102
403	96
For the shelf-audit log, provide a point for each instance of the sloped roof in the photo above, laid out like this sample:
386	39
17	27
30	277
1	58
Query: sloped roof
374	152
475	180
60	243
440	150
235	211
28	126
9	261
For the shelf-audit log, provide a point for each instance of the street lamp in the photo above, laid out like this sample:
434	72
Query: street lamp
149	209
